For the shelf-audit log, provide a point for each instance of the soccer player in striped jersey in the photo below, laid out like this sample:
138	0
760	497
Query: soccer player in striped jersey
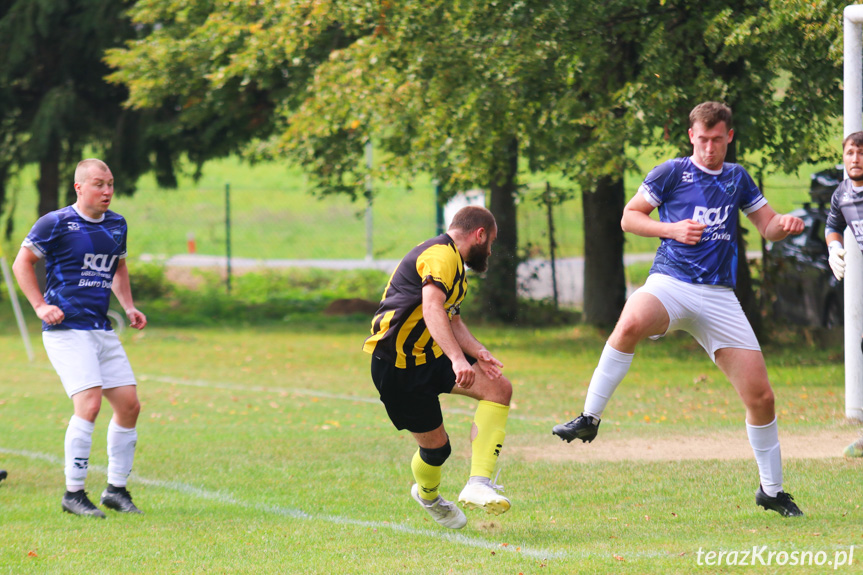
84	248
421	348
846	210
690	287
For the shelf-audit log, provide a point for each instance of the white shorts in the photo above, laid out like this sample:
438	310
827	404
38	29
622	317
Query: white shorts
710	313
88	358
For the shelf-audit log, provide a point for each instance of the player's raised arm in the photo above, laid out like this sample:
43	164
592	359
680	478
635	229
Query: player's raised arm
774	227
636	220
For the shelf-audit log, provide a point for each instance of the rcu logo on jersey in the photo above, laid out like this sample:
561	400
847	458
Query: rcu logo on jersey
714	219
99	262
711	216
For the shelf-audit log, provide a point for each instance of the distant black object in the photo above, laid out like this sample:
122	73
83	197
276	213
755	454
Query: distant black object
824	182
806	291
2	474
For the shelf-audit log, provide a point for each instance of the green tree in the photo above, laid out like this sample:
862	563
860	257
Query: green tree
55	101
458	91
223	72
469	92
461	91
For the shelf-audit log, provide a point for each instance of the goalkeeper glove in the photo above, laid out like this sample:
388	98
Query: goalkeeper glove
837	259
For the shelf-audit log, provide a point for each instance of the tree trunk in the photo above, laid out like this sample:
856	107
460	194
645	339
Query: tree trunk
49	182
500	297
743	290
49	198
604	277
6	232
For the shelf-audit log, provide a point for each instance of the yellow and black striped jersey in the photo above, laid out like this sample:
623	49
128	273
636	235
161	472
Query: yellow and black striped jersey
399	332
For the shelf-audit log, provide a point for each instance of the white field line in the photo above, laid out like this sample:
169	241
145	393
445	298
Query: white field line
301	391
294	513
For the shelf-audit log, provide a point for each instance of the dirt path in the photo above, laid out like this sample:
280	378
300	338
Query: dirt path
725	445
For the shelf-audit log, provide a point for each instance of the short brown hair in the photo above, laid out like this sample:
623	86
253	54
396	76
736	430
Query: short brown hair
855	138
710	114
472	218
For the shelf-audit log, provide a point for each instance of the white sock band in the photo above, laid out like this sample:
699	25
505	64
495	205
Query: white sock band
610	371
764	440
79	440
121	453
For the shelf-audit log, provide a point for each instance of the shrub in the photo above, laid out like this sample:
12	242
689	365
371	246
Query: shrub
256	297
148	280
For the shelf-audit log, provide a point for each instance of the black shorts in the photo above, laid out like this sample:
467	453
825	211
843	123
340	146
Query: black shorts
411	395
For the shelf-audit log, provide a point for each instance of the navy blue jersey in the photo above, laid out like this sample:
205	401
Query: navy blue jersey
81	256
682	190
846	209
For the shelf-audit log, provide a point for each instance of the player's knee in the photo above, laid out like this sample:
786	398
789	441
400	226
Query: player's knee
503	388
768	400
762	400
496	390
126	414
628	332
133	409
437	456
88	411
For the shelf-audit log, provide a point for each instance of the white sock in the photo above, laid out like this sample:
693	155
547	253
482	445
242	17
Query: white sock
764	440
121	453
608	374
79	439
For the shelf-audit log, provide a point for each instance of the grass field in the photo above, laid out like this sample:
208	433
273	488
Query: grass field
263	449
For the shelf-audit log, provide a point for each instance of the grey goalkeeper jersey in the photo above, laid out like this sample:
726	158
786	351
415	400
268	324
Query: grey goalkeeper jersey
846	209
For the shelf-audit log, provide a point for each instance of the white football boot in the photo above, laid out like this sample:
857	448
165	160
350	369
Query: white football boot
444	512
483	493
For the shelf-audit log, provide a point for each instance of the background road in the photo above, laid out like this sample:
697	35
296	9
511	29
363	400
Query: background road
534	276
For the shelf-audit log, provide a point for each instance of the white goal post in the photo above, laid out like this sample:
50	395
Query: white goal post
16	307
853	122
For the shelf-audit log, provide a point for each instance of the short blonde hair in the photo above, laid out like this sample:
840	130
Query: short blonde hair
82	170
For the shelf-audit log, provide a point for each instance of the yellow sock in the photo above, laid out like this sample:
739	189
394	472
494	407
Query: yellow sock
427	477
490	422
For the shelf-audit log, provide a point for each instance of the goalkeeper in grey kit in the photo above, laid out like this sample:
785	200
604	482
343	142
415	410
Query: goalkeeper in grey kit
846	209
